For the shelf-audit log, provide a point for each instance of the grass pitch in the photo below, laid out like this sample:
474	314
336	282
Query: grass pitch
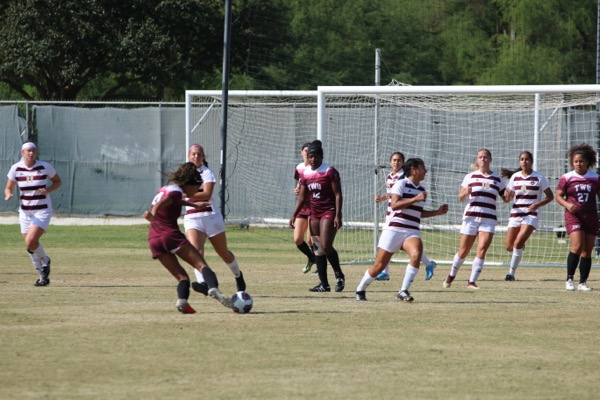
107	328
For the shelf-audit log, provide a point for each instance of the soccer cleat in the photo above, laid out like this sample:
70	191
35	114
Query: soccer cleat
220	297
308	266
404	295
240	283
200	287
472	285
184	307
320	288
42	282
509	278
340	284
569	285
448	281
429	270
383	276
361	295
583	287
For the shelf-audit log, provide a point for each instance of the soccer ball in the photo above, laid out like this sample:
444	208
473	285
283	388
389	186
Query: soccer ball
242	302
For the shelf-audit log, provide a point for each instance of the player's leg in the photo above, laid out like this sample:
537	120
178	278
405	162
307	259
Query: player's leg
413	247
484	240
197	238
585	264
466	243
189	254
219	243
171	264
522	235
300	228
328	233
320	257
36	228
382	259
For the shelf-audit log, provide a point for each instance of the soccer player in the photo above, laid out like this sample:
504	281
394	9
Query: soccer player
207	221
167	242
401	229
36	180
480	189
527	187
397	173
321	183
577	192
301	223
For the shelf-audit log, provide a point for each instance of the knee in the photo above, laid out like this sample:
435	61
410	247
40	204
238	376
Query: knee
509	248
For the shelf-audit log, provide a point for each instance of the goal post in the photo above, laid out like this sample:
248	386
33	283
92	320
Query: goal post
361	126
446	126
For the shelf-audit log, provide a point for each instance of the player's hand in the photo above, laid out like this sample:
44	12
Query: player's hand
443	209
9	196
148	215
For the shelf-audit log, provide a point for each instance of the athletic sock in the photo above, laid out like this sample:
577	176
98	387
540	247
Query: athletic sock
457	262
476	269
409	276
585	265
41	254
425	260
386	269
234	267
334	261
305	249
321	262
210	277
183	289
199	276
572	263
515	260
37	264
366	280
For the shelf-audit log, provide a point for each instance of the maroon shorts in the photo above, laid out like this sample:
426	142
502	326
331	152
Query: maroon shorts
574	223
166	244
329	214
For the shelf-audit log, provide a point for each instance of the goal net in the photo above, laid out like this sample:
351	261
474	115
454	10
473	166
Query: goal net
361	126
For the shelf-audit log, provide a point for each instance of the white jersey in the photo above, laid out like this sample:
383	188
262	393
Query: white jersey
528	190
213	208
481	204
410	217
390	181
30	181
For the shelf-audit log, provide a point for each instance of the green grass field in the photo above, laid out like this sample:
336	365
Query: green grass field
107	328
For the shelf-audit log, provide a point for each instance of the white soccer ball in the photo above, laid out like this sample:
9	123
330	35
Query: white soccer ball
242	302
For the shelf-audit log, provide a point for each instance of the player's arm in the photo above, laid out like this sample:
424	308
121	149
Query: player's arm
205	194
464	193
9	190
560	199
398	203
163	201
56	183
433	213
336	186
547	199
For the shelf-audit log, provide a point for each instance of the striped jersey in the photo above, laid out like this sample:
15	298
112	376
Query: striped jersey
481	204
528	190
390	181
409	217
213	208
30	181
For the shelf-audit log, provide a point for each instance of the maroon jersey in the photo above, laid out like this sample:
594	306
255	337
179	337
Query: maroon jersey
320	190
165	220
581	190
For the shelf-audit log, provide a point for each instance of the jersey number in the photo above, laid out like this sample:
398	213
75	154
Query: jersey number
583	197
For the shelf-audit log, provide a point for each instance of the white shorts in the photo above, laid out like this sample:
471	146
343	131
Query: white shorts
211	224
392	240
40	218
472	228
516	222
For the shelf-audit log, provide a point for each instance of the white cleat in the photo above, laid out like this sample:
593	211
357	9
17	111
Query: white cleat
220	297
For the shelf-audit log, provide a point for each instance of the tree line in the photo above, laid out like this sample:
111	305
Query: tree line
156	49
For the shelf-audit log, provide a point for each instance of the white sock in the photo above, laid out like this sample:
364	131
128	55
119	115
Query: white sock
366	280
517	256
386	269
409	276
425	260
199	276
457	262
234	267
41	254
35	260
476	269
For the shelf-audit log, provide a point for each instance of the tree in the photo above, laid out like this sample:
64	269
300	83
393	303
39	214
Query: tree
123	49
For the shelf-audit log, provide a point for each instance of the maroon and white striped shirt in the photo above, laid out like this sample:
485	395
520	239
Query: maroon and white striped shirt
30	181
481	204
409	217
528	190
